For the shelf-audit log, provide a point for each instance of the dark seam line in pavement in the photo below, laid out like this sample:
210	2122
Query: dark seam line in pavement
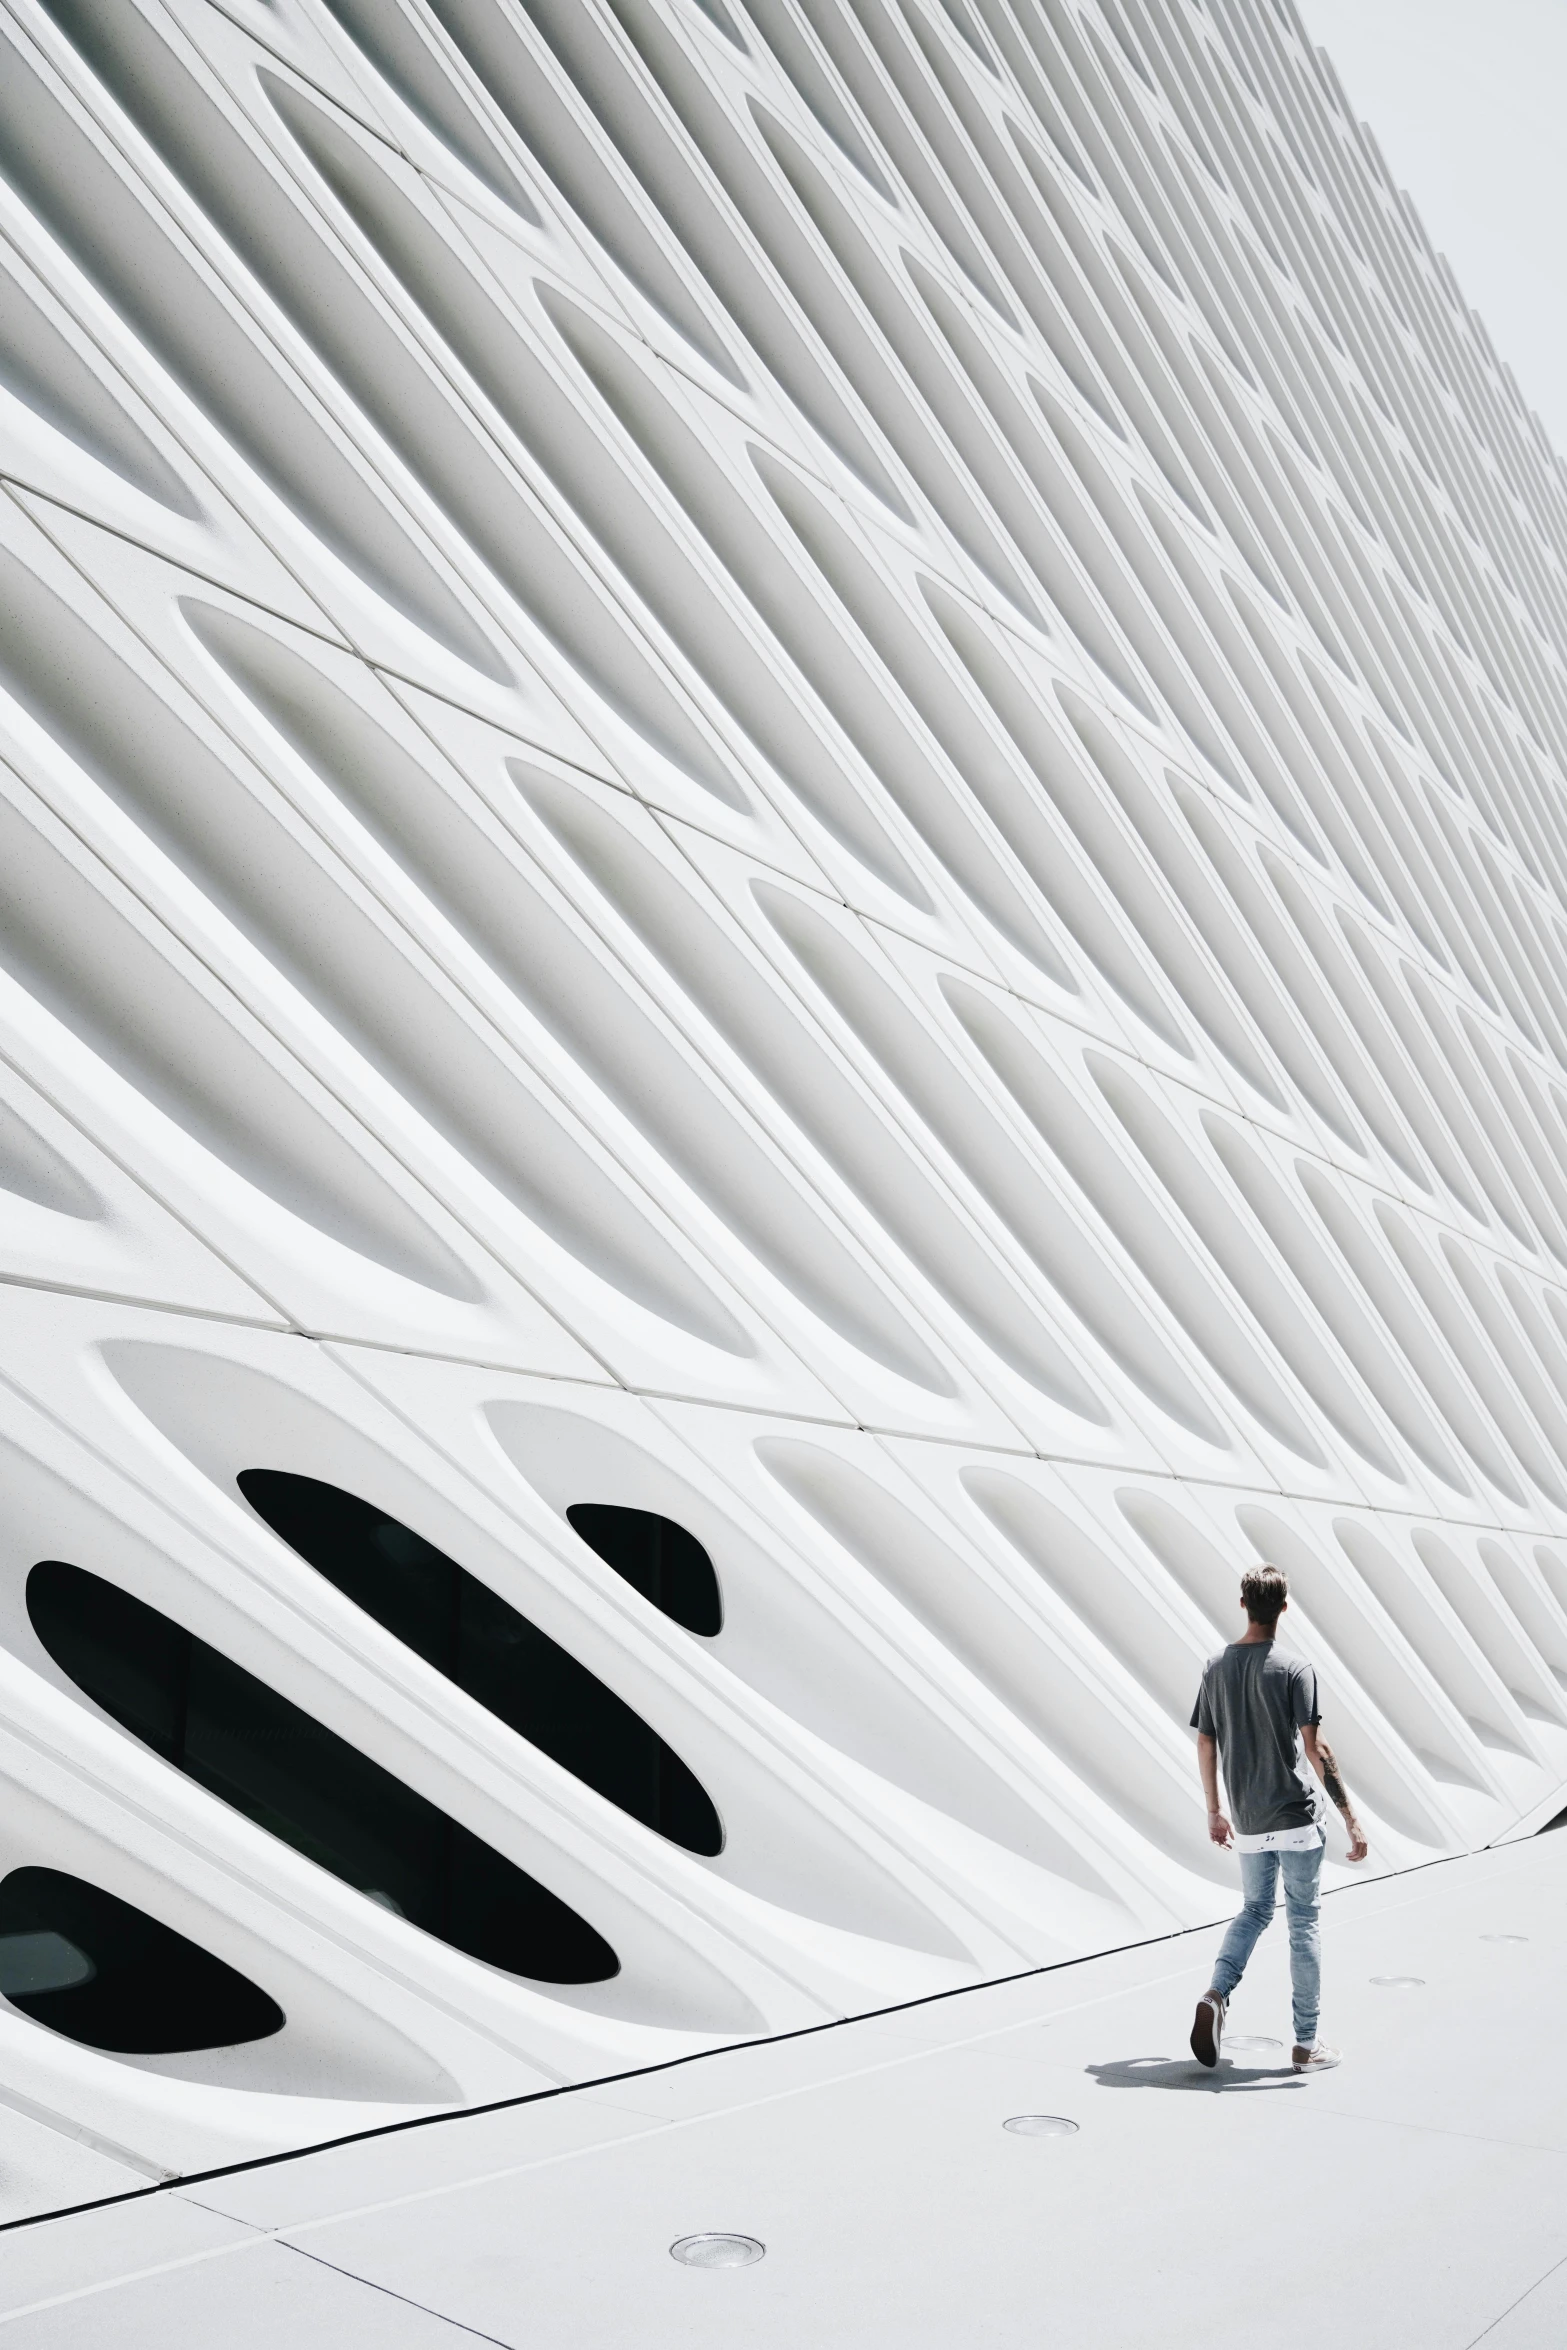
425	2121
407	2301
1524	2296
637	2072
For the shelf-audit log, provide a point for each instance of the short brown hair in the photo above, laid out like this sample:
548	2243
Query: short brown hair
1263	1593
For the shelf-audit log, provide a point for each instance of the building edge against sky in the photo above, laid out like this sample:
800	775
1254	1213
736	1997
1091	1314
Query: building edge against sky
784	886
1462	115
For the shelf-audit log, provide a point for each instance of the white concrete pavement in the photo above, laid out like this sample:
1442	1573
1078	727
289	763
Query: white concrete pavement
1416	2196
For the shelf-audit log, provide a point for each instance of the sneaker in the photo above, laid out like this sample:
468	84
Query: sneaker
1208	2028
1318	2058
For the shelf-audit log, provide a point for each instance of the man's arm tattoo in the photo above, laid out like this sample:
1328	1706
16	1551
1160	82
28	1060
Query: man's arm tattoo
1330	1775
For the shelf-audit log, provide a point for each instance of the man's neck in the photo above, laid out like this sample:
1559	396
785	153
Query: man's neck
1255	1635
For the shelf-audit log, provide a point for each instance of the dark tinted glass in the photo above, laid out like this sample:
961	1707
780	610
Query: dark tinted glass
463	1628
89	1965
667	1565
282	1769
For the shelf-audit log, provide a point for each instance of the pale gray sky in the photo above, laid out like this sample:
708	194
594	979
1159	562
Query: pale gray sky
1468	101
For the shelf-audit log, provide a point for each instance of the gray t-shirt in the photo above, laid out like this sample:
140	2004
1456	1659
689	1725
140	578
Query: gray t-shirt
1254	1701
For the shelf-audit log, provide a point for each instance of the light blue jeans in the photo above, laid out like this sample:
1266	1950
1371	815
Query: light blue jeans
1260	1882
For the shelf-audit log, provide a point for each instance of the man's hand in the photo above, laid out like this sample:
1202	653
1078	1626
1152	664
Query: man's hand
1219	1828
1325	1763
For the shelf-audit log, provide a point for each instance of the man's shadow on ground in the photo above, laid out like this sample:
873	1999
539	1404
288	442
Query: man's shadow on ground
1184	2072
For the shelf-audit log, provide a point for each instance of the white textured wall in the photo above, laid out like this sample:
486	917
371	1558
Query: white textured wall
799	763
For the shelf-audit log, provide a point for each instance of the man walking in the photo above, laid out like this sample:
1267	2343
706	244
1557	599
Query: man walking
1257	1712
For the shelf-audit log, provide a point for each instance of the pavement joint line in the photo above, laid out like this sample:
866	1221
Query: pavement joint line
884	2017
256	2241
1526	2295
442	2119
659	2125
656	2125
405	2300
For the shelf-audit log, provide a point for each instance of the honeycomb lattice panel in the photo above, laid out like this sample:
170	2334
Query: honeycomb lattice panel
797	763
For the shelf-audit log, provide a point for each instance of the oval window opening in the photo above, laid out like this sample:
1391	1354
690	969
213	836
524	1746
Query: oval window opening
466	1631
108	1976
658	1558
279	1766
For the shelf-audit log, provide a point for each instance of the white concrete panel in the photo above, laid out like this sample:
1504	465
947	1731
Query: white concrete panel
796	768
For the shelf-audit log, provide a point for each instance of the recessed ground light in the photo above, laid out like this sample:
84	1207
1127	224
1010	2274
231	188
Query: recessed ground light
1040	2125
1399	1982
1504	1937
717	2251
1248	2044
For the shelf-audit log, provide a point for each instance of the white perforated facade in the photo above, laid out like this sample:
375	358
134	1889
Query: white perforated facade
795	763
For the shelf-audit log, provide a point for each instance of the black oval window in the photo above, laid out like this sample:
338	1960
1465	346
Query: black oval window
282	1769
665	1563
462	1627
105	1974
